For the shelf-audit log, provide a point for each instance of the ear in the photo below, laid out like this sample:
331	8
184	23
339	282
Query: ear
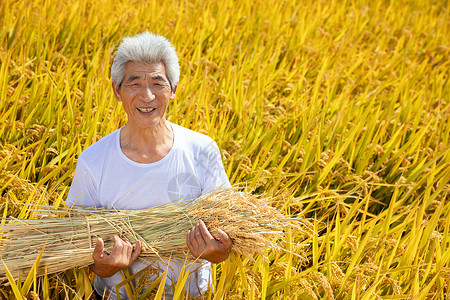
172	93
116	91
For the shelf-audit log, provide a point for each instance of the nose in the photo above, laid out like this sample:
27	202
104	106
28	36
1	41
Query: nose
147	94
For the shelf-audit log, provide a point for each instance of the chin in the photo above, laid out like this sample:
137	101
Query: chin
151	125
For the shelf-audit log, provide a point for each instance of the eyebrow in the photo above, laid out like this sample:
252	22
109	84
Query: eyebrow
132	78
159	78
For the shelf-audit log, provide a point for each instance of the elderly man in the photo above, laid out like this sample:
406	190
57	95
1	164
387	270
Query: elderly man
147	162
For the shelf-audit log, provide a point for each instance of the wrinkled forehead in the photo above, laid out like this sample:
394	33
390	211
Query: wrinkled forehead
152	69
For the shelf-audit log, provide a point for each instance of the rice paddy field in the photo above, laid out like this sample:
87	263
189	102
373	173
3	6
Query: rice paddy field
337	110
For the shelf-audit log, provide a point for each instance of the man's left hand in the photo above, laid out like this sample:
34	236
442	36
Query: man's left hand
203	245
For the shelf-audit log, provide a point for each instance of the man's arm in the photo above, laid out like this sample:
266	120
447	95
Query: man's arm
122	256
203	245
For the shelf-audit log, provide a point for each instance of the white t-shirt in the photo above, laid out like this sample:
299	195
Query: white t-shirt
105	177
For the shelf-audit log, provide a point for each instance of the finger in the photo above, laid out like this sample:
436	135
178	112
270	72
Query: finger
198	240
98	250
192	243
118	246
127	250
137	251
123	238
127	247
224	239
204	233
188	240
126	241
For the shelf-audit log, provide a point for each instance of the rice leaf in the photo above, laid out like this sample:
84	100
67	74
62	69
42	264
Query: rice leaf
31	277
15	288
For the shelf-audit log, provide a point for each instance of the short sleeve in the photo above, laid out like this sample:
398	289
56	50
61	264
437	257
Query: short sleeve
82	190
215	176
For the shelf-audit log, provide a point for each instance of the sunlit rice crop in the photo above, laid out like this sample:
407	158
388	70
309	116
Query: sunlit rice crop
336	110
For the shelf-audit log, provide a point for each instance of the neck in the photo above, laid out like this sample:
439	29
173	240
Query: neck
146	145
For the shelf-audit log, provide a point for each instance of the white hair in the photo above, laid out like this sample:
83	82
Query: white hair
146	47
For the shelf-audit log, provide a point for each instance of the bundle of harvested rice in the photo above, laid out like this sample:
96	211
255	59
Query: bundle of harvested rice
69	234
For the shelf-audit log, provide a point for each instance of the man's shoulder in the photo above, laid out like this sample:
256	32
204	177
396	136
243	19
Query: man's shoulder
193	138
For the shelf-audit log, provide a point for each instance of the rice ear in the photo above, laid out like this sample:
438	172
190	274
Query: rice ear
250	221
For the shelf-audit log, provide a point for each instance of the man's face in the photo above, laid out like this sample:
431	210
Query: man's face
145	93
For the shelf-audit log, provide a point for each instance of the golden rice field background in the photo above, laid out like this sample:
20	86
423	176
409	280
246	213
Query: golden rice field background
339	110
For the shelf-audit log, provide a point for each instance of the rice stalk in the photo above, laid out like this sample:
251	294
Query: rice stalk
69	234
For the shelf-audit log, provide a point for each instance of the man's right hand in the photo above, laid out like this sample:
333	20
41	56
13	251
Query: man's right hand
122	256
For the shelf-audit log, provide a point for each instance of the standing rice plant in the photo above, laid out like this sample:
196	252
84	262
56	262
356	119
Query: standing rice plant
338	110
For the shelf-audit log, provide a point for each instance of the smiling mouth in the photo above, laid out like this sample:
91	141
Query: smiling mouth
146	110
